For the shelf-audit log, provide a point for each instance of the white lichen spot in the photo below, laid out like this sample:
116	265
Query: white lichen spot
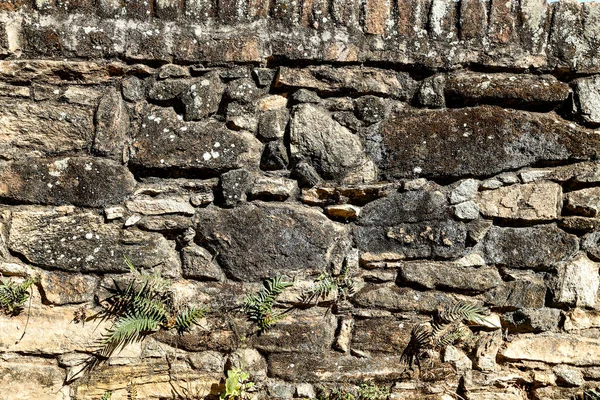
89	236
206	156
417	170
217	144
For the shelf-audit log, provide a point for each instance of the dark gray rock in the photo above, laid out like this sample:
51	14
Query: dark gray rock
538	247
168	89
305	96
478	141
372	109
112	125
272	124
431	92
83	242
447	276
394	298
591	244
264	76
384	335
203	96
234	185
532	320
291	239
587	99
524	292
244	90
81	181
274	156
198	263
133	88
166	143
305	174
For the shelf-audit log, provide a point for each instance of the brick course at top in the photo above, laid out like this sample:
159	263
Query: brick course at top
516	35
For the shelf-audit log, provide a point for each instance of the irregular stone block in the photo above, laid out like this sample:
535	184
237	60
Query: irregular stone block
112	125
553	349
81	181
165	143
343	211
536	247
64	288
473	19
83	242
412	206
203	97
584	202
543	92
244	90
334	151
169	89
53	71
133	88
32	378
530	202
394	298
234	186
267	188
161	206
535	24
576	283
274	156
37	130
291	238
358	80
478	141
580	319
447	276
439	239
198	263
384	335
525	291
272	124
529	320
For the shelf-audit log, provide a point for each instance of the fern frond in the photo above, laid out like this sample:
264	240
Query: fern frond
107	395
188	317
128	329
259	306
451	335
132	392
462	311
13	296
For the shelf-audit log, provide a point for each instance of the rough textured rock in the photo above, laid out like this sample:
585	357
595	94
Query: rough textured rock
576	283
332	150
537	202
394	298
528	320
30	377
554	349
198	263
536	248
31	128
165	143
83	242
523	291
291	239
112	125
587	95
202	97
584	202
447	276
81	181
476	141
160	206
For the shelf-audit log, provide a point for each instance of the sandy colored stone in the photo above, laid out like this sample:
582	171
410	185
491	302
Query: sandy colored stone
536	201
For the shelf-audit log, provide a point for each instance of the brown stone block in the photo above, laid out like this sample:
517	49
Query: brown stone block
473	19
377	13
503	21
412	16
258	9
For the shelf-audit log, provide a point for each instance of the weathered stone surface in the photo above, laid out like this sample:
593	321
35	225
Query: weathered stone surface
274	156
507	90
591	244
112	125
343	212
203	96
291	239
468	210
553	349
525	291
332	150
537	202
447	276
384	335
438	239
584	202
303	331
334	368
358	80
476	141
272	124
37	130
53	71
198	263
164	143
234	186
150	206
431	92
576	283
64	288
587	97
394	298
568	376
81	181
267	188
464	191
243	90
372	109
412	206
32	378
83	242
529	320
133	88
580	319
535	248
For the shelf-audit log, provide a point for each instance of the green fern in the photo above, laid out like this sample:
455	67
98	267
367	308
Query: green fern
236	384
13	296
107	395
462	311
187	318
259	306
326	283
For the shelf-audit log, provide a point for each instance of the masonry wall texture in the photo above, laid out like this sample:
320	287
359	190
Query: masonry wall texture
440	150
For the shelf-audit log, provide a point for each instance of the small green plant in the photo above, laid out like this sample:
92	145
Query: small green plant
334	394
13	296
371	391
449	326
341	285
142	306
259	306
237	383
107	395
365	391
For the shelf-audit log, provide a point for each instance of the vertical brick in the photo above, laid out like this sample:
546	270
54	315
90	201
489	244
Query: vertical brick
412	16
258	9
442	20
503	21
346	13
168	9
109	8
536	22
139	9
473	19
377	15
233	11
200	10
285	11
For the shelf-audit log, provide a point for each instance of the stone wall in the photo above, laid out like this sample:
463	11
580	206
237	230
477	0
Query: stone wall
438	150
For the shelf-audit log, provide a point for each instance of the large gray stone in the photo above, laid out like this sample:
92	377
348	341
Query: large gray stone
166	143
259	240
203	96
112	125
536	247
333	150
553	349
394	298
81	181
587	96
575	283
448	276
478	141
386	334
526	291
83	242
